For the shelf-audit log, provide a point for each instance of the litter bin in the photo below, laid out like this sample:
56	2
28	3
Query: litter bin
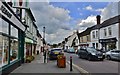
61	61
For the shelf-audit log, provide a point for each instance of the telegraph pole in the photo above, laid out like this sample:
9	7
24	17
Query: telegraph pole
44	51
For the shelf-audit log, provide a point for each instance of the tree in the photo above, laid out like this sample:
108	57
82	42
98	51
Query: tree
63	42
54	45
66	39
59	44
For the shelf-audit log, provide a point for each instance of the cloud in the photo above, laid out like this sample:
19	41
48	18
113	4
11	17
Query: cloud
88	21
58	36
84	23
81	14
88	7
55	19
110	11
100	10
78	9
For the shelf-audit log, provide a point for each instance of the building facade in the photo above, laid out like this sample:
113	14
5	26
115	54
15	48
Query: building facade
30	34
11	39
102	36
85	38
39	42
109	33
70	39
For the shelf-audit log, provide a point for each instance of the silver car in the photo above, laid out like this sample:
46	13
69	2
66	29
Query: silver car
113	54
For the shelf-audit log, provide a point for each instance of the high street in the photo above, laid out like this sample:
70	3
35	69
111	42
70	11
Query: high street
105	66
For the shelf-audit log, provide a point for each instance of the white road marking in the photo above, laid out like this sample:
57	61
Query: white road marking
78	68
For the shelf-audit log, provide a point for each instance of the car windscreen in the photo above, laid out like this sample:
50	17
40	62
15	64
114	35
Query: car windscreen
91	50
56	50
117	51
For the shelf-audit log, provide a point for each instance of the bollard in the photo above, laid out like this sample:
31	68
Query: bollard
70	63
44	56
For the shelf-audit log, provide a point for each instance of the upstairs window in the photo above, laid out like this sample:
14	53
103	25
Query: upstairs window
96	34
109	31
93	34
105	32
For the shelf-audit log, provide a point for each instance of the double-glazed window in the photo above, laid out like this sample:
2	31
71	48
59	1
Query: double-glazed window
93	34
4	27
13	43
8	42
105	32
109	31
13	49
4	49
96	34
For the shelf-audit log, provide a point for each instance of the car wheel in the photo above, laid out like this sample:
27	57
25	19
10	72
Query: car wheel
89	58
108	57
101	59
79	56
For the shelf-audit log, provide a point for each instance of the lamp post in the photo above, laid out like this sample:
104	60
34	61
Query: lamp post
44	51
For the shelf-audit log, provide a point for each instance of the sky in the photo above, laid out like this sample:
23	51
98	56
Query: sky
61	19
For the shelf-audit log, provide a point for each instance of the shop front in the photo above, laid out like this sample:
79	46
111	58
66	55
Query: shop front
28	47
34	47
108	44
11	39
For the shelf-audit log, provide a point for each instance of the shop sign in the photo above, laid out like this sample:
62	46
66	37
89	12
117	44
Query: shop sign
4	11
28	40
107	40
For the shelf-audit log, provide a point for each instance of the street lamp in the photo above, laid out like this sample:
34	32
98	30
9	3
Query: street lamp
44	51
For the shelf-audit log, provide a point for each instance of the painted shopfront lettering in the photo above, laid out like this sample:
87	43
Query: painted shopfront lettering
5	11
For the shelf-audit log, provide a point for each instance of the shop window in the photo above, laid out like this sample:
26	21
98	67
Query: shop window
0	24
5	50
14	32
4	26
13	49
1	50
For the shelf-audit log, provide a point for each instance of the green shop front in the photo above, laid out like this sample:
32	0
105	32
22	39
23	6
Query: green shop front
11	39
30	45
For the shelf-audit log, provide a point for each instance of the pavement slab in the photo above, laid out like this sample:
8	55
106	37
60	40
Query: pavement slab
37	66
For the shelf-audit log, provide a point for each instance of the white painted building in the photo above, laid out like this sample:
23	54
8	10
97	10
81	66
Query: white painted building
110	33
94	39
39	42
69	42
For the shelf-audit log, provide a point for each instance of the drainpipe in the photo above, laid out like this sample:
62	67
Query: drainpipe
119	36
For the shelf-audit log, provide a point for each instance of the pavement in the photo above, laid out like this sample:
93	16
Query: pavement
38	66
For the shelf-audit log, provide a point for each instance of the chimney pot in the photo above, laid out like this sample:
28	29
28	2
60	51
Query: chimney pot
98	19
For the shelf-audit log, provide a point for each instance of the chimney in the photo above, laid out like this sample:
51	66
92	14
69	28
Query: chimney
98	19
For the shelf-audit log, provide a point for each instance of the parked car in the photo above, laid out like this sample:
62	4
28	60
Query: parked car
113	55
54	53
71	50
90	54
65	50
